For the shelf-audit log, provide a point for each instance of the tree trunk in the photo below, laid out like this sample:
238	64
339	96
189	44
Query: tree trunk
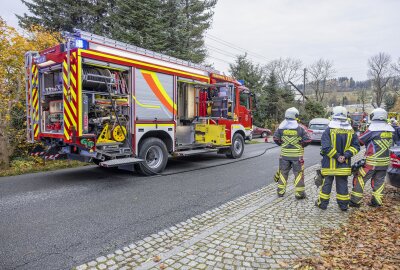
4	151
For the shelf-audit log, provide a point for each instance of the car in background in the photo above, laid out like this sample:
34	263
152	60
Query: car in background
316	127
262	132
394	168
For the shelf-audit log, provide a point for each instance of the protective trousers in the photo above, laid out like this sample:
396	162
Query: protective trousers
377	183
298	170
342	192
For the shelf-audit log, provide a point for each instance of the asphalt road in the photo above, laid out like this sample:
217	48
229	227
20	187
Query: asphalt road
60	219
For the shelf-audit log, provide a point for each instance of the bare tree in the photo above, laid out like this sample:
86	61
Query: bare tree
362	97
320	71
380	73
394	84
285	69
396	68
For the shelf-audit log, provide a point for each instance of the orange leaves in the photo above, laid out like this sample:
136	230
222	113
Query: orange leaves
369	241
13	46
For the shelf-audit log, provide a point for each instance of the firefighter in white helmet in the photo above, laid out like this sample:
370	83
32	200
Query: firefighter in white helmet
338	144
292	138
377	140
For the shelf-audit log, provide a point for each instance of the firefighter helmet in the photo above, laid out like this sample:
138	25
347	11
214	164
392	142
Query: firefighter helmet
339	113
292	113
379	114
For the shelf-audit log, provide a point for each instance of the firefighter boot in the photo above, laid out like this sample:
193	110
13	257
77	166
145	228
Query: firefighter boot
324	193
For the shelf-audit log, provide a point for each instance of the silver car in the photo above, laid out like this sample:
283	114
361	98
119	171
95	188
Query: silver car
316	127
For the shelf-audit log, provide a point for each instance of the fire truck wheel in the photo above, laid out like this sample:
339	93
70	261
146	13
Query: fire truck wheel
237	147
155	155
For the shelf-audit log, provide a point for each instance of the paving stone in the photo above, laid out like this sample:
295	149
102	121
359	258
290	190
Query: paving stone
275	229
82	267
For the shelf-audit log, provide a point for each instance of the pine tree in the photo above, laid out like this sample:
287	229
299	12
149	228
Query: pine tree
139	23
174	27
254	78
198	18
273	97
252	74
64	15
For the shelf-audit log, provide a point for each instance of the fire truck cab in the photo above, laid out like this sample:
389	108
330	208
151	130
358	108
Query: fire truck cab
99	100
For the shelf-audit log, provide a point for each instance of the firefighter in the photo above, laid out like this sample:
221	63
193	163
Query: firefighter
377	140
338	144
292	138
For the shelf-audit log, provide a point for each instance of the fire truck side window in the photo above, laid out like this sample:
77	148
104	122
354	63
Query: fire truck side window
244	100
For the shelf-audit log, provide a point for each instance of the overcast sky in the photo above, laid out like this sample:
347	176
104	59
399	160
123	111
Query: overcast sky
347	32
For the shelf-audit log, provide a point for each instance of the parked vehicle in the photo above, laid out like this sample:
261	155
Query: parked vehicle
316	127
262	132
96	99
394	168
359	121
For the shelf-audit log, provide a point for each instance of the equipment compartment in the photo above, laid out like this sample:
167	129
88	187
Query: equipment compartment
105	109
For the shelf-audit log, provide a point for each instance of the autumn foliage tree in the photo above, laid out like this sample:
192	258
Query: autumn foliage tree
13	46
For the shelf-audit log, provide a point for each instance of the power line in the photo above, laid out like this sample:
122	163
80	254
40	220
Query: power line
233	46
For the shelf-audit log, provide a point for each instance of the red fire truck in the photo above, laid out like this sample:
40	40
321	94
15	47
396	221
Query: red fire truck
99	100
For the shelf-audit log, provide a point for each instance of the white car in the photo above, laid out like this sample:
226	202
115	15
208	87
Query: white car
316	127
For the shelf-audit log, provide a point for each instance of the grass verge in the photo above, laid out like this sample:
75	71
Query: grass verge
32	164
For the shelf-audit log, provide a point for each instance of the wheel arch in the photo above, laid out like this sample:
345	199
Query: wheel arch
160	134
241	132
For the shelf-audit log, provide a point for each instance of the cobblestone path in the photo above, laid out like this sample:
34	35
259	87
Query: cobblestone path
256	231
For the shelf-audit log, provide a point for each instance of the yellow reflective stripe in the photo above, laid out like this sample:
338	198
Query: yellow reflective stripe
146	105
362	171
361	181
342	197
137	62
324	196
282	186
378	194
338	171
298	178
160	87
282	191
357	194
282	178
332	153
300	189
353	150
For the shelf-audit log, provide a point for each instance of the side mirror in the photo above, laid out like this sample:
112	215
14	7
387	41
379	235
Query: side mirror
254	100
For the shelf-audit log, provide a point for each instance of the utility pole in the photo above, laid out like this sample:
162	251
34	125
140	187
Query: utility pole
304	83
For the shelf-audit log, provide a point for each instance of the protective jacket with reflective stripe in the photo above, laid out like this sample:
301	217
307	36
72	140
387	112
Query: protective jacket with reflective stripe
334	143
377	144
292	142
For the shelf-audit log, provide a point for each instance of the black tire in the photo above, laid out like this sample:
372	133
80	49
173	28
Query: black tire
264	134
237	147
155	155
96	161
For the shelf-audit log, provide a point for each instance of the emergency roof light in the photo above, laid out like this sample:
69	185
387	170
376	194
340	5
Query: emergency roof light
81	44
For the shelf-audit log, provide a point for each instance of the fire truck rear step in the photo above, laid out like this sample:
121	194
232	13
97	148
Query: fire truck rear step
120	162
194	152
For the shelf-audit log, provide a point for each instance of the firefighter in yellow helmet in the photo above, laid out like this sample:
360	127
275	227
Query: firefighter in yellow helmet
377	140
292	138
338	144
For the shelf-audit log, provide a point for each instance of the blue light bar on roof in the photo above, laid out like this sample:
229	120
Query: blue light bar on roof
81	43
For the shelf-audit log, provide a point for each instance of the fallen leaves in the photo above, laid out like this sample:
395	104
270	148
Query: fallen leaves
370	240
157	258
